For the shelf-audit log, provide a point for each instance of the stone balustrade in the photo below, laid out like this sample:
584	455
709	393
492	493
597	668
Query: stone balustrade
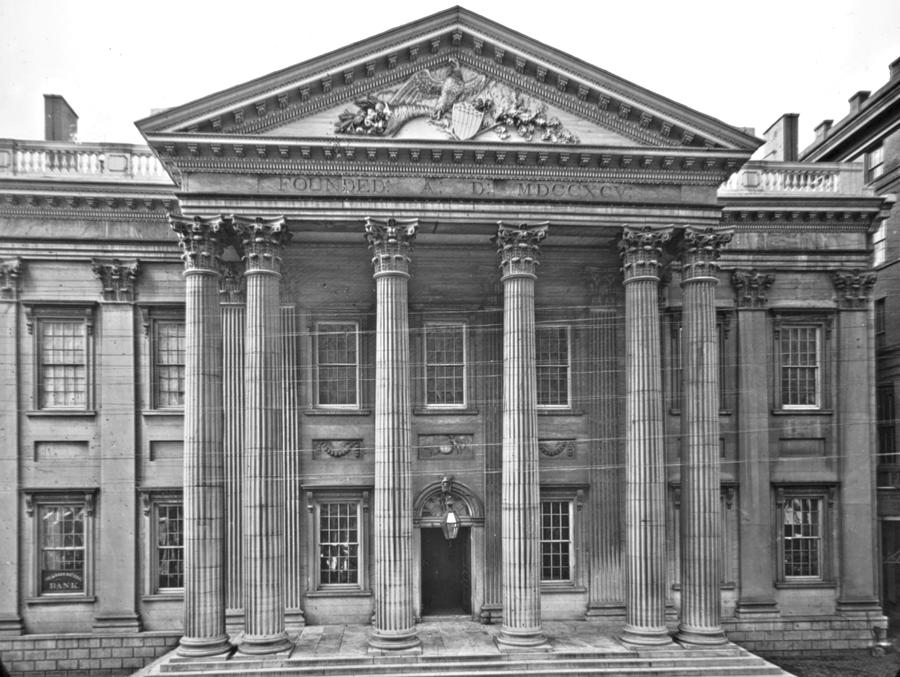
80	161
796	178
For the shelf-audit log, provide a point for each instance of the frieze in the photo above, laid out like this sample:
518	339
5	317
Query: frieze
446	446
555	448
337	448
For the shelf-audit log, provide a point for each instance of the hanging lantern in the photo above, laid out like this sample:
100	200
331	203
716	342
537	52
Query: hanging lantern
450	524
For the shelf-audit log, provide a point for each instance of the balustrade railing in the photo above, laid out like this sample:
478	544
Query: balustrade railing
796	178
88	161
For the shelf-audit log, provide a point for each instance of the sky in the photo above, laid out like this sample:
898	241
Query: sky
743	62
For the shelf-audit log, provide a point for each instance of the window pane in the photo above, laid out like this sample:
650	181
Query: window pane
556	541
61	548
802	537
552	353
170	546
336	353
445	368
800	366
168	364
338	543
62	364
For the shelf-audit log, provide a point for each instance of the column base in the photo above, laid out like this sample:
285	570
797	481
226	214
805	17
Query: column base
646	636
196	647
11	625
701	636
383	642
117	623
256	645
522	639
859	607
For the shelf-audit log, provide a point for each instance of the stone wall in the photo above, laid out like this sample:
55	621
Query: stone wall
803	634
87	655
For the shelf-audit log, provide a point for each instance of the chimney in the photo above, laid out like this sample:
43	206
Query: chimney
822	129
781	139
895	69
856	101
60	121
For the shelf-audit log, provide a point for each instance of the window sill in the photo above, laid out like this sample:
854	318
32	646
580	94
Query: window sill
337	412
445	411
562	411
722	412
339	593
52	413
163	413
802	412
164	597
801	585
61	599
561	588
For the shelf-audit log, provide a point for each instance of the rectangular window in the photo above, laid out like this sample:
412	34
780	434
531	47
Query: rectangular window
169	559
879	244
339	543
874	163
337	363
62	556
887	438
802	537
556	541
880	323
168	364
800	352
445	365
552	353
62	364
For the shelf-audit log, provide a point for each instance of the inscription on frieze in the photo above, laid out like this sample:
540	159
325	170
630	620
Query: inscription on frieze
446	446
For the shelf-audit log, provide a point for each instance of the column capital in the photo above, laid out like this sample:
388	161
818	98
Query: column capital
116	278
700	251
641	251
10	272
202	240
519	248
853	287
262	239
750	288
390	241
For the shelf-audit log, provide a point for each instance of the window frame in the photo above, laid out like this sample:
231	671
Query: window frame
158	317
886	424
574	496
36	317
152	500
317	497
35	501
826	495
537	365
879	244
357	404
465	365
873	159
823	325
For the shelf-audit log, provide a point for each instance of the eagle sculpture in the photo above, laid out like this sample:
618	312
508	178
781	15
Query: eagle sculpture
448	89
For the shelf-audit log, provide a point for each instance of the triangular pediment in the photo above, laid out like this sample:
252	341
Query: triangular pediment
454	76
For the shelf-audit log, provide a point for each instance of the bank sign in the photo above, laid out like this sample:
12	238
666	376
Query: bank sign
62	581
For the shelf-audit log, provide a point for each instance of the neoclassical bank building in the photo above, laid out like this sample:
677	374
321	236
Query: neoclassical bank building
445	323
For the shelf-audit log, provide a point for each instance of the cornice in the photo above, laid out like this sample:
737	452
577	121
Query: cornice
797	220
66	204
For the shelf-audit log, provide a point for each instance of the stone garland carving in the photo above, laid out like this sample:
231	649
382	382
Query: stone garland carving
337	448
10	271
117	279
854	287
750	288
446	446
554	448
462	106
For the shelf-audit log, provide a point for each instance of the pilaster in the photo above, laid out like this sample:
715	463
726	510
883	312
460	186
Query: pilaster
116	550
202	240
518	247
701	513
645	519
11	272
394	624
262	240
754	497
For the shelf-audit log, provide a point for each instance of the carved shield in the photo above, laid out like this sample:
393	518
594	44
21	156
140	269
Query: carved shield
466	121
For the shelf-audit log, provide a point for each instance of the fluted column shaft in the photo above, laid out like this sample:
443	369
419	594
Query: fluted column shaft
394	627
645	520
263	485
520	500
204	544
701	514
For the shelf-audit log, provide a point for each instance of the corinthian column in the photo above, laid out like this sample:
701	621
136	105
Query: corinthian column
394	627
701	513
204	545
263	486
645	519
520	500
